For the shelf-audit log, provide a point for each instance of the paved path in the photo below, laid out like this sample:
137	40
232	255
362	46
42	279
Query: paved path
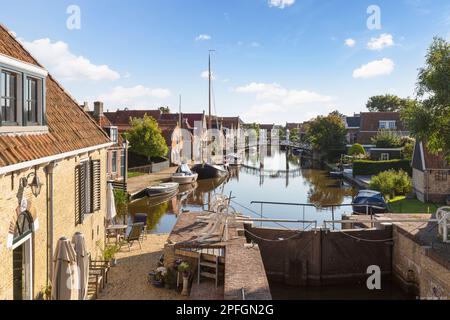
137	184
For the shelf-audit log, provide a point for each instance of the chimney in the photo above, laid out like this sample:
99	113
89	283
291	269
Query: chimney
85	106
98	109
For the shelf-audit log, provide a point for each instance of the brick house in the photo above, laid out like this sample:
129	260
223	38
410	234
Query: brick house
352	125
372	122
52	172
117	159
431	175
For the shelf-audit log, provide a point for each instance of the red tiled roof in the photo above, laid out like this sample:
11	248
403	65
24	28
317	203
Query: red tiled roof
121	118
434	161
70	128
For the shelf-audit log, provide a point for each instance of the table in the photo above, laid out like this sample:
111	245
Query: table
116	229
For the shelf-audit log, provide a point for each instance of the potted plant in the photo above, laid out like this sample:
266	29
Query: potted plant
109	254
158	278
184	269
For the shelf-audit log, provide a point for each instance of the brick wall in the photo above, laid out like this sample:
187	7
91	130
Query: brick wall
64	218
417	271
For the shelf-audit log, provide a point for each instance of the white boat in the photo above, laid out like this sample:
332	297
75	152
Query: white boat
157	190
184	175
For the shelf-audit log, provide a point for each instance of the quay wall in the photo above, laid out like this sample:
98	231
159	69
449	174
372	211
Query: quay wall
322	257
418	269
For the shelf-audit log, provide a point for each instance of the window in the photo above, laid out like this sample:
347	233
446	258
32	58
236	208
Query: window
122	164
440	175
8	103
31	103
114	135
88	188
388	124
384	156
114	161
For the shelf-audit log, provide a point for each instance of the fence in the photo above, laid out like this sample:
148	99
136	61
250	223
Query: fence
151	168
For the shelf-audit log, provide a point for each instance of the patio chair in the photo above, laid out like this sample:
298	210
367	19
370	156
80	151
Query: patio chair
141	217
100	267
133	234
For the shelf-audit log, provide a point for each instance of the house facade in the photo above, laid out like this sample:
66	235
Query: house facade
371	123
52	173
431	175
117	158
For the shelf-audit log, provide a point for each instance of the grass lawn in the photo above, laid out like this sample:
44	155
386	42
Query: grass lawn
135	174
403	205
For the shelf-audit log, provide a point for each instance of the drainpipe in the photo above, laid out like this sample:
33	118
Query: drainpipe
49	174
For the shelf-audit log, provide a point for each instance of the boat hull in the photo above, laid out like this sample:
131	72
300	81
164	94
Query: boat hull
207	171
185	179
157	191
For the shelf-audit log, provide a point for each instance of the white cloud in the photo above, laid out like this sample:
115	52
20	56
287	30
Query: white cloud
281	3
203	37
205	75
350	42
375	68
133	96
276	93
65	65
383	41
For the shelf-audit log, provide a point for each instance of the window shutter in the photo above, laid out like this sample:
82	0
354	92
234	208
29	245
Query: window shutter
87	186
80	203
96	185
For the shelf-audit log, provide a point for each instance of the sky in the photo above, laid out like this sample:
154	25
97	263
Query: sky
275	61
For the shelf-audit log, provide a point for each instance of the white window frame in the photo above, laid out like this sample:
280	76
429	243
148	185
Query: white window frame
387	124
384	156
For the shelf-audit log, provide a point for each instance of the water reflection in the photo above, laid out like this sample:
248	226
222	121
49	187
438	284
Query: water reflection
276	176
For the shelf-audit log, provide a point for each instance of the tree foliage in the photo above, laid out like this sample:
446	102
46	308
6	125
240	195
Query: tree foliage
391	183
146	138
387	139
356	150
429	118
327	134
386	103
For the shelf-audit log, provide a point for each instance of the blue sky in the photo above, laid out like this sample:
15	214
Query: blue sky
275	60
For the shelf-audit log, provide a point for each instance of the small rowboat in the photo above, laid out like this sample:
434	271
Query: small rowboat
184	175
157	190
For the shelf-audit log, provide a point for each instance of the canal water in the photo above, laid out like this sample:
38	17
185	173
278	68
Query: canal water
283	178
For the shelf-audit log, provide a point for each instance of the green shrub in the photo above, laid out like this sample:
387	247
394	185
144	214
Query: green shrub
391	183
371	167
356	149
387	139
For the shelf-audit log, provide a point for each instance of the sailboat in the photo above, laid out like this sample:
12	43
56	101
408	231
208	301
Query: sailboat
209	170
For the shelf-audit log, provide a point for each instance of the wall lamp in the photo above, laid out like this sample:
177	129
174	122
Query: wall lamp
35	183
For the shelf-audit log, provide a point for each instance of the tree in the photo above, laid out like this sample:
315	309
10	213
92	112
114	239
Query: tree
164	109
327	134
428	119
391	183
146	139
356	150
387	139
386	103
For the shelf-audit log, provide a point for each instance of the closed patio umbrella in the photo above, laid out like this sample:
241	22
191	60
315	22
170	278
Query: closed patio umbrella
65	272
82	263
111	209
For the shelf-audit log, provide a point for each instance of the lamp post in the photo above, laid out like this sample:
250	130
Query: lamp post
35	183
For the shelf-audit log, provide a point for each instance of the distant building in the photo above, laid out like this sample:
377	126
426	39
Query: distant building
371	123
431	175
117	160
352	125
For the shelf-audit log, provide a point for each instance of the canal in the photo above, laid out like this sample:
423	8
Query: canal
284	178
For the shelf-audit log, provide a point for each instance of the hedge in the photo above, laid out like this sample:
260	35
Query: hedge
371	167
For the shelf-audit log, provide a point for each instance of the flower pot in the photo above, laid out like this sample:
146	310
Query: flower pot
185	291
113	262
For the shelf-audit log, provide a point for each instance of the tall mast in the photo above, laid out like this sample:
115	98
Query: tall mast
179	112
209	89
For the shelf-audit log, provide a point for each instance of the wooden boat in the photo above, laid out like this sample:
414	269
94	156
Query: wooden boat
336	174
209	171
184	175
157	190
233	159
369	202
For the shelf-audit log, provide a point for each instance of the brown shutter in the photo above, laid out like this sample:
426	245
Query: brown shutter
96	185
80	200
87	186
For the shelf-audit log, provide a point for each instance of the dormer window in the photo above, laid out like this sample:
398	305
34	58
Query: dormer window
388	124
8	88
114	134
22	96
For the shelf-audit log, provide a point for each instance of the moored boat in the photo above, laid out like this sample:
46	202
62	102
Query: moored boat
157	190
184	175
209	171
369	202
